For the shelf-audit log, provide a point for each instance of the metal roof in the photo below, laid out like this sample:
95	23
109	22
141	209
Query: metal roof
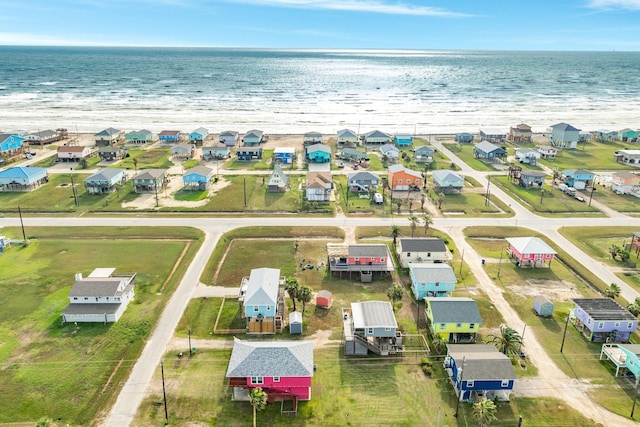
433	273
373	314
530	245
263	287
603	309
271	359
370	250
105	174
426	244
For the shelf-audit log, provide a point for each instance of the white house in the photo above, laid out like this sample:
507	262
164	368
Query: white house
527	155
422	250
100	297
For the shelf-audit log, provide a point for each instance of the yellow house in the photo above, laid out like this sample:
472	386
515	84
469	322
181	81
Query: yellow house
453	319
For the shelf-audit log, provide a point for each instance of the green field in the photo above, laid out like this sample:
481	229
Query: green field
66	372
591	156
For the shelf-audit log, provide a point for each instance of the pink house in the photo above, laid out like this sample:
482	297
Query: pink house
530	251
364	259
623	182
282	368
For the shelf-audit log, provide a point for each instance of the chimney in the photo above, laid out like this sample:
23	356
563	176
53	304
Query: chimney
78	277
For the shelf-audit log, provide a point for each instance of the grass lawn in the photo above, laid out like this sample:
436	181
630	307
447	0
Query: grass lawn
352	203
157	158
465	153
590	155
624	203
263	164
350	392
471	204
191	195
200	316
62	371
552	202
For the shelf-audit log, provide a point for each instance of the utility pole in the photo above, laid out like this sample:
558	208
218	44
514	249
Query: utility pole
156	187
488	185
500	262
635	397
244	190
24	235
190	348
164	394
73	190
564	334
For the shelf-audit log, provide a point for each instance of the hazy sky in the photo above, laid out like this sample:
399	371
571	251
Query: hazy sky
383	24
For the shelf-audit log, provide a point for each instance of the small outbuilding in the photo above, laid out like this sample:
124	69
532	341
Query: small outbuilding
542	306
295	322
324	299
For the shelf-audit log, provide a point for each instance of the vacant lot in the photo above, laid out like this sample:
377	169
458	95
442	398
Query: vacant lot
70	372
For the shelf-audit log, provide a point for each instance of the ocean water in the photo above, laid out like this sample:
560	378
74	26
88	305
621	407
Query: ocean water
295	91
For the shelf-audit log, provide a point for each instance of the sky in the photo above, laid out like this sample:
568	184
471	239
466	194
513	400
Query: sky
592	25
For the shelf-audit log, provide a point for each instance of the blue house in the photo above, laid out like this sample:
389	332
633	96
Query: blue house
170	136
605	135
447	182
493	135
22	178
284	155
105	181
319	153
432	280
10	145
479	370
423	154
628	135
247	154
489	151
260	294
403	139
229	138
197	178
198	136
391	152
253	137
464	138
626	357
564	135
532	178
578	178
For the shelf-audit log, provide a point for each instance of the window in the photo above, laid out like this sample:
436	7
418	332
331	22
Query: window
428	254
387	329
616	324
382	260
399	181
257	380
469	383
256	308
75	298
369	331
442	325
276	379
472	325
408	253
357	259
107	298
600	325
629	325
86	298
437	284
458	325
504	383
588	321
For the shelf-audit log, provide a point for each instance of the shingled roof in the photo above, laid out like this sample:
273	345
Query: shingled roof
271	359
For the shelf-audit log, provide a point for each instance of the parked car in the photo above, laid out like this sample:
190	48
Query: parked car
355	166
579	198
341	164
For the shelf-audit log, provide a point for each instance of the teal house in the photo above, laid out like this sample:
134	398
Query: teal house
21	178
626	357
628	135
318	153
197	178
139	137
403	139
10	144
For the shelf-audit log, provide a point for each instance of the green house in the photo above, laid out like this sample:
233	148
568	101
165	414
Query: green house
453	319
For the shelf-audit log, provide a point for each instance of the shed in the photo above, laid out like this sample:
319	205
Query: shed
295	322
324	299
542	306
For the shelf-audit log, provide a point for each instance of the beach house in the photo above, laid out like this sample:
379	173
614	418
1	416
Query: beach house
43	137
403	139
319	186
626	358
577	178
74	153
520	134
479	371
453	319
489	152
170	136
249	154
262	297
312	138
112	153
423	154
10	145
493	135
352	154
282	369
139	137
284	155
530	252
197	178
198	136
447	182
390	153
563	135
422	250
363	181
216	151
627	157
107	137
105	181
103	296
527	156
229	138
400	178
547	152
278	180
602	319
317	153
431	280
628	135
377	137
464	138
347	136
624	182
253	137
532	178
150	181
183	151
605	135
23	178
371	326
364	260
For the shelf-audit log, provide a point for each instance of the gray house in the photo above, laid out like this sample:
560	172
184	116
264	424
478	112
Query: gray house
488	151
532	179
278	181
363	181
447	182
149	181
423	154
105	181
371	326
352	154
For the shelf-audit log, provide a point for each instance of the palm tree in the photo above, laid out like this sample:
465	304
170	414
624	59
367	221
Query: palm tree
292	287
422	200
613	291
395	292
395	233
508	341
440	199
399	202
427	220
634	309
414	223
258	399
304	296
484	411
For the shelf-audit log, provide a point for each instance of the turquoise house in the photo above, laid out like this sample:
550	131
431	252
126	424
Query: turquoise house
628	135
253	137
624	356
198	136
197	178
432	279
259	294
403	139
318	153
10	144
21	178
139	137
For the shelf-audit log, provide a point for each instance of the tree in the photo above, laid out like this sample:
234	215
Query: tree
614	250
414	223
422	200
304	296
508	341
44	422
293	288
556	175
427	221
395	292
399	203
613	291
484	411
440	200
634	309
258	399
410	205
395	233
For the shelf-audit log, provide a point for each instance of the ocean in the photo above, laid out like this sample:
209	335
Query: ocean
295	91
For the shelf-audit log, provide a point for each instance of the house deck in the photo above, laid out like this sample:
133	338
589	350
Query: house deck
615	354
